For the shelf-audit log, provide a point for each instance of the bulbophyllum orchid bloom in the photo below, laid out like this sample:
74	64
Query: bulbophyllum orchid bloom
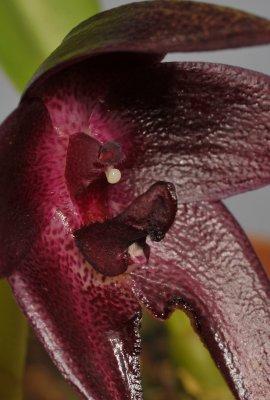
113	168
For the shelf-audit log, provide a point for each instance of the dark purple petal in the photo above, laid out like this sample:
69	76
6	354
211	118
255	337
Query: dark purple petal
109	246
81	163
207	267
105	245
157	27
88	323
154	211
205	127
30	180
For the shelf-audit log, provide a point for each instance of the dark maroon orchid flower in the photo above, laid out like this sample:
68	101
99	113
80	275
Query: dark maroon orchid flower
112	171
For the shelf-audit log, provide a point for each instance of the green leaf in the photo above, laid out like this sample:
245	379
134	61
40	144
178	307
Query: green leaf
32	29
13	338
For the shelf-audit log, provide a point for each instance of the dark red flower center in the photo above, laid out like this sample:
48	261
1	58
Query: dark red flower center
87	159
112	245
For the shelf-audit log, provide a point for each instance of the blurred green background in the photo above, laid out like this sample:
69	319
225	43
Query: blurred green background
31	30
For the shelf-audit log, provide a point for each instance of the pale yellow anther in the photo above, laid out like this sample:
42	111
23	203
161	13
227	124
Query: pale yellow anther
113	175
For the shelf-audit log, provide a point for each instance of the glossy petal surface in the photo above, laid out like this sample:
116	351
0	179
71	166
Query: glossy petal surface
88	325
90	330
168	124
203	126
206	266
158	27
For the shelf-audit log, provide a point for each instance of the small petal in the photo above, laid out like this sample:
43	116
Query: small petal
154	211
206	266
156	28
107	246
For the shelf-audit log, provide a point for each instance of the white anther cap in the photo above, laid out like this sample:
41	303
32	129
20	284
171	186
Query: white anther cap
113	175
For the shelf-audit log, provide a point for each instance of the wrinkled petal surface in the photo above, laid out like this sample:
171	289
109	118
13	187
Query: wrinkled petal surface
30	180
158	27
169	125
206	266
204	126
88	324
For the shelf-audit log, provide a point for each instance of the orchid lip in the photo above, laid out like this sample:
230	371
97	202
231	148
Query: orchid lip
116	245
